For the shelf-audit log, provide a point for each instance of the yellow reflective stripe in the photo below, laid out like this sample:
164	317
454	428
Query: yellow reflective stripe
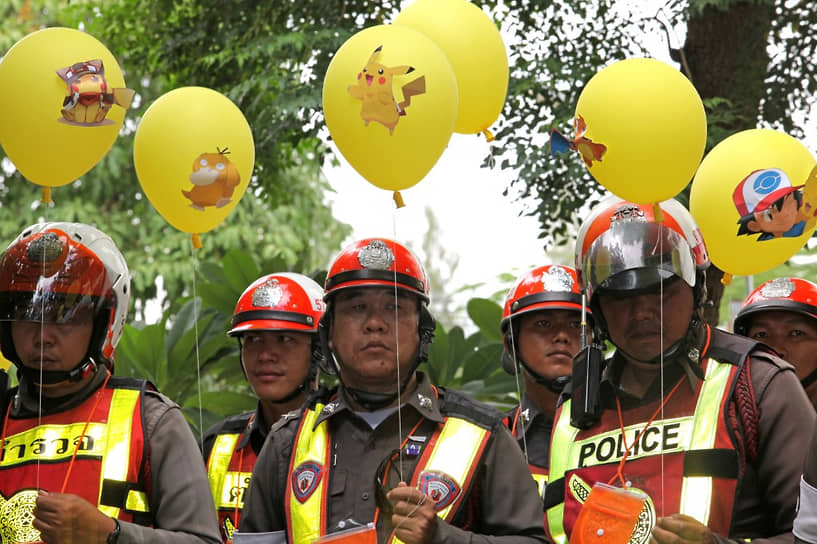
52	442
312	446
562	437
231	494
696	491
541	481
454	454
115	462
217	465
137	501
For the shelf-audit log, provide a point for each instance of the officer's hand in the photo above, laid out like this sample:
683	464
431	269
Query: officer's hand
681	529
414	518
69	519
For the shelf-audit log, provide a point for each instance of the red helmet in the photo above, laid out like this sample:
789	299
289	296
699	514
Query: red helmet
622	246
549	287
377	262
279	302
783	294
55	271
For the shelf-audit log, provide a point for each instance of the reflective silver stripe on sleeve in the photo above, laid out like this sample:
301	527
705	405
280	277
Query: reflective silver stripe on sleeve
805	523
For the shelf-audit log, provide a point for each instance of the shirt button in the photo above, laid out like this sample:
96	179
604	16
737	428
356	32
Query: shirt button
365	496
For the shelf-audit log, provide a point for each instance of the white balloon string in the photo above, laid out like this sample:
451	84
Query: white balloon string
196	335
518	390
397	353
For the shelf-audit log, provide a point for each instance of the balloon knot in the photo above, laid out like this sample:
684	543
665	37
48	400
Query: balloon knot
196	241
489	136
398	199
46	196
657	213
726	279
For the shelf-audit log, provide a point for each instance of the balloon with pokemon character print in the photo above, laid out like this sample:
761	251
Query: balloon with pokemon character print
754	198
194	155
390	103
640	128
62	105
473	45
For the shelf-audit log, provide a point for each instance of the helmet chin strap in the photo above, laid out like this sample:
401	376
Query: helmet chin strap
85	368
377	401
555	385
810	379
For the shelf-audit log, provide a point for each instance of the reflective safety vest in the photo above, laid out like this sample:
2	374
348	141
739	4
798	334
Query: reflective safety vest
539	474
453	450
229	472
691	438
107	469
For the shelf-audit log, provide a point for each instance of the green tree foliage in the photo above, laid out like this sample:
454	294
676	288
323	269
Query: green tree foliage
159	46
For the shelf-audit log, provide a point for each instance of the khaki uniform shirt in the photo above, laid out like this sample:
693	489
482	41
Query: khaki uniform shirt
505	508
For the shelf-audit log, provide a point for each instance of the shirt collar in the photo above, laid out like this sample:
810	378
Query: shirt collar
424	399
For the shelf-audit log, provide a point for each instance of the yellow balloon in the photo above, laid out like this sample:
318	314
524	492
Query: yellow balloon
745	200
390	103
50	143
474	47
645	129
194	155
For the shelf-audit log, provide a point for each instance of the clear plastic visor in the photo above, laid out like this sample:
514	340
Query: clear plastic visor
49	307
649	253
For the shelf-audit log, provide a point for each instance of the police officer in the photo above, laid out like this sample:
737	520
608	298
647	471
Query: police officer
782	313
541	327
707	424
86	456
420	463
276	324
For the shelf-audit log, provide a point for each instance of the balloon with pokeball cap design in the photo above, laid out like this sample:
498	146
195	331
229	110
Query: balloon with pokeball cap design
754	198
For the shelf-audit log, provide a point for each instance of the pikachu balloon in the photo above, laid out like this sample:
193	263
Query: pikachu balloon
390	103
194	155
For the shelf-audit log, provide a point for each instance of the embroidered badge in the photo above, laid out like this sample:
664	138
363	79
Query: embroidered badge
268	295
16	515
778	288
330	408
376	255
442	489
305	479
557	279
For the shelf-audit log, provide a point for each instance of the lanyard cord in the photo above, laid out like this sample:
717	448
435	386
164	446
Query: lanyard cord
79	442
620	471
389	465
241	464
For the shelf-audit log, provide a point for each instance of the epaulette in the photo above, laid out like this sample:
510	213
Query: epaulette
460	405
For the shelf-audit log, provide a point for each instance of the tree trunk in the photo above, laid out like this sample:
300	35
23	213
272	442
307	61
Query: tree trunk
725	51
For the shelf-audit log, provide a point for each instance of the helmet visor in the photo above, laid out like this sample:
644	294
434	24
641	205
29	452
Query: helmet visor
48	307
637	256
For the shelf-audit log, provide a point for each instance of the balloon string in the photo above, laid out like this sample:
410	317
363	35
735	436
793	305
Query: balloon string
489	136
196	241
398	199
46	196
726	279
196	305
